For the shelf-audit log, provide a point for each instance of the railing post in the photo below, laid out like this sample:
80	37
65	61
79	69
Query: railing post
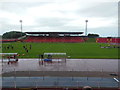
14	84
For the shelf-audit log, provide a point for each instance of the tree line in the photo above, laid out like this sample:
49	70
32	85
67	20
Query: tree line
17	34
13	35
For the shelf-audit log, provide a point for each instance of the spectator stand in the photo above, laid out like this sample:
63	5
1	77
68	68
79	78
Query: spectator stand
65	37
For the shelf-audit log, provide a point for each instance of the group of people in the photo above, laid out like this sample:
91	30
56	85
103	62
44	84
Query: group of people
9	47
26	48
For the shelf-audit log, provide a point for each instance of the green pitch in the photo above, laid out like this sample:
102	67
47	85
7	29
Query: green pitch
74	50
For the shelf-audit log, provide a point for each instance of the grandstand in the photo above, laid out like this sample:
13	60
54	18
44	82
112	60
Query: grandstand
68	37
108	40
50	81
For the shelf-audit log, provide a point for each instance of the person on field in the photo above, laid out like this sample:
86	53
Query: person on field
27	50
30	46
12	47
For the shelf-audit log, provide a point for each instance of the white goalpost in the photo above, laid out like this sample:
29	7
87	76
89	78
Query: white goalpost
54	57
9	57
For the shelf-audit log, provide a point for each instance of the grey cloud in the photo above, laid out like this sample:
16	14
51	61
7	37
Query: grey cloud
106	9
6	26
19	7
52	22
102	31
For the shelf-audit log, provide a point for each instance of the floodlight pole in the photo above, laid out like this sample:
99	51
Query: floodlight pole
86	27
21	27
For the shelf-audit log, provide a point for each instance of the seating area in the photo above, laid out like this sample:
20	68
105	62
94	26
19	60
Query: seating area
108	40
115	40
53	39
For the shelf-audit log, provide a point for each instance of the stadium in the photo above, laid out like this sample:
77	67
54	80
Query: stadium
59	61
49	45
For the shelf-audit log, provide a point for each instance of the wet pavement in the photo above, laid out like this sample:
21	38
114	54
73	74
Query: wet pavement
105	65
72	73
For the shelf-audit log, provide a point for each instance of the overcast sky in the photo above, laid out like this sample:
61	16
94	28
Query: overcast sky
60	15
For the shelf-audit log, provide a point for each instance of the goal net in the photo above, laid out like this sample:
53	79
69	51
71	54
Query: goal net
9	56
59	57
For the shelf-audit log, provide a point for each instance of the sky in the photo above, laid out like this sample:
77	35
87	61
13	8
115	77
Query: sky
60	16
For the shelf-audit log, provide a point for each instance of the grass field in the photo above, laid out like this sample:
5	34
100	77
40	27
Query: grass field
74	50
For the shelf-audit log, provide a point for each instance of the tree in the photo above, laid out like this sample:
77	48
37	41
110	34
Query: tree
93	35
12	34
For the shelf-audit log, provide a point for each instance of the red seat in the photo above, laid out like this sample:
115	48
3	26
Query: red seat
53	39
